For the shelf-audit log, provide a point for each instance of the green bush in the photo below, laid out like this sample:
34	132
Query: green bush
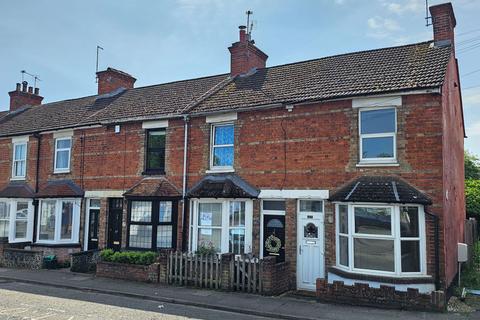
472	197
471	275
130	257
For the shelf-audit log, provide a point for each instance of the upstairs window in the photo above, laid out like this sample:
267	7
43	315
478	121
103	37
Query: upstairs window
19	167
155	155
63	147
378	128
222	152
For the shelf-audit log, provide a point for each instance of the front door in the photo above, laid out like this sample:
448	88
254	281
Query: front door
93	215
115	214
310	253
274	236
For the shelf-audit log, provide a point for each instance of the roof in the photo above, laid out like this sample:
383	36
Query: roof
223	186
380	189
17	190
60	189
153	187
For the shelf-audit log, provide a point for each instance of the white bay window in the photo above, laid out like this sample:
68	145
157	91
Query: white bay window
59	221
16	220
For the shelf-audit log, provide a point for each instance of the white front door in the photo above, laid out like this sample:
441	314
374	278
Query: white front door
310	251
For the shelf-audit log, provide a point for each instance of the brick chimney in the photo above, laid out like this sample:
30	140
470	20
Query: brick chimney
112	79
244	55
443	20
23	95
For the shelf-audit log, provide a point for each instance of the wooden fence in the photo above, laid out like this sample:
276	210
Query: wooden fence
471	236
246	274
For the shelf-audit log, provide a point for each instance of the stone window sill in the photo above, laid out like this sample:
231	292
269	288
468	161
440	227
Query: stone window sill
378	164
385	279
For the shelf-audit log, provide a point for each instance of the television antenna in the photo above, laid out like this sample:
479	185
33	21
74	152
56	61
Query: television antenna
249	25
428	18
96	69
34	76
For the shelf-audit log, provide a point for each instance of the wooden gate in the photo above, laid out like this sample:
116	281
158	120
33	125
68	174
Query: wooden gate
188	269
246	274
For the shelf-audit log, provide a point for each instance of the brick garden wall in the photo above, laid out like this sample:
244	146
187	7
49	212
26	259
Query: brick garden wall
128	271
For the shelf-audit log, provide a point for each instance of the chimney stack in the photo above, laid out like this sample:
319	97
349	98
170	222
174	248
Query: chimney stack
443	21
112	79
244	55
24	96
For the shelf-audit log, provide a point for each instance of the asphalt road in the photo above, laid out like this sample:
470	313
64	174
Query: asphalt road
22	301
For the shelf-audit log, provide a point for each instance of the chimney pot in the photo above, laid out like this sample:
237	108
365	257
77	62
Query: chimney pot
37	91
243	33
18	87
24	86
30	89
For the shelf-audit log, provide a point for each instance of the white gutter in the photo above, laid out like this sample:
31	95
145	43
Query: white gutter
185	139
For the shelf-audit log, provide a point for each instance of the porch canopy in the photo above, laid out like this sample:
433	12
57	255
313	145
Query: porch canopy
153	187
17	190
60	189
223	186
382	189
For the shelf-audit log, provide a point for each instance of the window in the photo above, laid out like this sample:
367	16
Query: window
222	225
152	224
62	154
59	221
4	219
378	129
380	239
19	166
21	220
155	155
222	152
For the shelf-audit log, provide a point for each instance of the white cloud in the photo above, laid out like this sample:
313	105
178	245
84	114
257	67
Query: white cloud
382	27
408	6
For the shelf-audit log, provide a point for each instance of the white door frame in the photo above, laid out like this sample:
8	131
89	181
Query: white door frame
87	220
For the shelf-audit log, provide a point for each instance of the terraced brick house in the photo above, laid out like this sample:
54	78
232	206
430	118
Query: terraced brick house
349	168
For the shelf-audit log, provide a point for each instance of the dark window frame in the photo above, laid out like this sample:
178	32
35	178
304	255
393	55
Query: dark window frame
147	170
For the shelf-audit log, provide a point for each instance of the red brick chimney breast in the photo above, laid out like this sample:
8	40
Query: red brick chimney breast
244	55
22	96
443	20
112	79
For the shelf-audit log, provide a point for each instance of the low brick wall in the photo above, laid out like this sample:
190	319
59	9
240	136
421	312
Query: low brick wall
62	253
130	272
84	261
274	279
19	258
383	297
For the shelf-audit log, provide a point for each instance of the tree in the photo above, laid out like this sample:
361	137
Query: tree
472	197
472	166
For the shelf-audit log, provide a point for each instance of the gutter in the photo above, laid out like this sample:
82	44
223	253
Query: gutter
437	248
38	136
184	186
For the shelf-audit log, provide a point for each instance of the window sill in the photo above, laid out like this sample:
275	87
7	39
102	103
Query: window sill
153	173
220	170
395	279
17	179
61	172
378	164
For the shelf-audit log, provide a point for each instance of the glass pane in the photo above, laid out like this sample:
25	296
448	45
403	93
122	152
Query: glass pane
141	211
63	144
343	219
311	206
409	222
224	135
373	220
19	168
22	210
164	236
62	159
237	214
156	160
210	214
274	205
4	219
310	231
20	229
343	250
209	238
67	220
378	121
223	156
20	151
410	256
94	203
275	223
237	241
377	147
47	220
374	254
165	214
4	210
156	139
4	225
140	236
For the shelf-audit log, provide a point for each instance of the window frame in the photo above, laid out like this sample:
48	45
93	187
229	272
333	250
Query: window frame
57	239
148	170
14	161
8	219
213	127
12	219
361	136
62	170
395	237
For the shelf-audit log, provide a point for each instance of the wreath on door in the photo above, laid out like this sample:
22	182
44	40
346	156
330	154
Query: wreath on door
273	244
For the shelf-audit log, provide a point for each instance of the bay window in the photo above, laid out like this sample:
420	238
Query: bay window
4	218
16	220
221	225
63	148
19	163
378	129
59	221
381	239
222	146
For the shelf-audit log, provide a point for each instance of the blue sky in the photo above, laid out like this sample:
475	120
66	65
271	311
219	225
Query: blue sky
163	41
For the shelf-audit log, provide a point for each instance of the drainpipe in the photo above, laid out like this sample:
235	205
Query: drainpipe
38	136
184	190
437	249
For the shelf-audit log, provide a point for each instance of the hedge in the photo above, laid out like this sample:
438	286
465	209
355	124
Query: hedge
130	257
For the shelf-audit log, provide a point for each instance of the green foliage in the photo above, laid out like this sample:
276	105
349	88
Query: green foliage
472	166
206	248
129	257
471	275
472	197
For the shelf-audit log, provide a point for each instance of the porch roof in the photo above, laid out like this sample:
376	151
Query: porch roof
223	186
60	189
17	190
153	187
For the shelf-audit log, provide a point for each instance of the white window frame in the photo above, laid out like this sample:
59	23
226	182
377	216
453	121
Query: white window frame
395	237
377	135
269	212
213	146
8	219
12	218
15	161
62	170
58	221
225	223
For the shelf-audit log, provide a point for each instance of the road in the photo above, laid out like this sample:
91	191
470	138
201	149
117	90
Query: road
22	301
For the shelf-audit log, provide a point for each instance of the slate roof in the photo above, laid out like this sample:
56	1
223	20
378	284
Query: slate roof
153	187
60	189
380	189
223	186
17	190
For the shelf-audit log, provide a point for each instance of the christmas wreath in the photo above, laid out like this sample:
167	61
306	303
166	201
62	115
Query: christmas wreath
273	244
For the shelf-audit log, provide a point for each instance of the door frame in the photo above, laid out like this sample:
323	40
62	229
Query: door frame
86	228
270	212
300	237
109	204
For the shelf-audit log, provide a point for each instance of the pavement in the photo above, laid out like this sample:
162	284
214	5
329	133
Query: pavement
253	306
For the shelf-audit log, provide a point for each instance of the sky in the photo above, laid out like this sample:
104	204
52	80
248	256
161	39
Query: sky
164	41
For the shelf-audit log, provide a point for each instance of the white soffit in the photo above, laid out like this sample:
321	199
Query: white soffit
158	124
63	134
104	194
293	194
377	102
232	116
20	139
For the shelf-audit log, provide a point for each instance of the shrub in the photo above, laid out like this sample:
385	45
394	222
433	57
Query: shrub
206	248
472	197
129	257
